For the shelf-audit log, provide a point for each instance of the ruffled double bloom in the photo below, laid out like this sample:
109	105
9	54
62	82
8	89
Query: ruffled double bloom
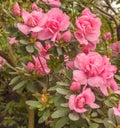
91	71
44	26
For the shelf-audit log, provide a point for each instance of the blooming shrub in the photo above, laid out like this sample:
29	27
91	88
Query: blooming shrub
68	86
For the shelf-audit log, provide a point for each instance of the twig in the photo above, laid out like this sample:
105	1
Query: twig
107	14
109	5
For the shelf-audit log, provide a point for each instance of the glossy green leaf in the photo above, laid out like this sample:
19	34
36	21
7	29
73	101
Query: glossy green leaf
45	116
20	85
29	48
14	80
62	91
61	122
60	113
74	116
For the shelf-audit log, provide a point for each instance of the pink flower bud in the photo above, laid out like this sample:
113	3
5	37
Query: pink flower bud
66	36
16	9
107	36
75	86
30	66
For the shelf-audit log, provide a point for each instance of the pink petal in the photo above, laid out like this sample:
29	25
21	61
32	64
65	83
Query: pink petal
72	102
80	110
44	35
116	111
94	105
36	29
79	76
23	28
95	81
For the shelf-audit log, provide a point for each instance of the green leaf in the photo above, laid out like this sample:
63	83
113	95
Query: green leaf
14	80
62	83
97	120
94	125
59	113
117	77
32	103
74	116
61	122
62	91
29	48
20	85
45	116
59	51
94	114
64	104
23	42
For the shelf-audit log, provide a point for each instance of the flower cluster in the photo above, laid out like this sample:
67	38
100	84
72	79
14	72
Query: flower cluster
42	25
91	71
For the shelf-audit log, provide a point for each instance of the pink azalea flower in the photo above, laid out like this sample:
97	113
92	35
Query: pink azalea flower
57	21
42	50
33	21
53	3
94	70
16	9
13	41
2	62
35	7
41	65
88	28
117	110
78	102
107	36
115	48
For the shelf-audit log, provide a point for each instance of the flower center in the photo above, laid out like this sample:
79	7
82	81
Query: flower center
81	103
32	21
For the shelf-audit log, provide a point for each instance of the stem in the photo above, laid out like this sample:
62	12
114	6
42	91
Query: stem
31	115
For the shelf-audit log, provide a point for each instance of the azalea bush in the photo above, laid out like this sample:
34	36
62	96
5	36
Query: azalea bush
59	66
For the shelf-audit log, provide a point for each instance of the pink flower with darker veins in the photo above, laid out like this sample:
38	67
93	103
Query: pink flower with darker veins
43	50
94	70
53	3
88	29
117	110
57	21
78	102
16	9
115	48
40	65
33	22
